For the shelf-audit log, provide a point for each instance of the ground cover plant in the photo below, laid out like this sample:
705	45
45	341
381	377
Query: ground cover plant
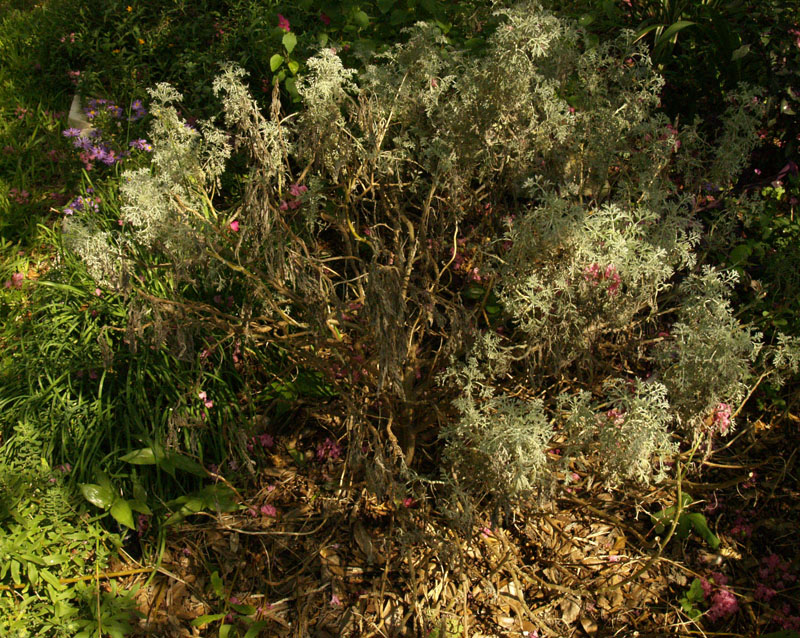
338	329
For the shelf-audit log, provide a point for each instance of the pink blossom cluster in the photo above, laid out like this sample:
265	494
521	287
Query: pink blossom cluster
617	417
204	398
329	449
19	196
721	600
595	273
294	202
722	417
15	281
264	440
776	571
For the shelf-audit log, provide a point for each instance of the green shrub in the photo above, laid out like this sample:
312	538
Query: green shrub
529	190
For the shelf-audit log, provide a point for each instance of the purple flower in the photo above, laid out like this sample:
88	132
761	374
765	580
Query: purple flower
141	145
71	132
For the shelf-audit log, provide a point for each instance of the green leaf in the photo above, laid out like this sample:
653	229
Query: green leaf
275	62
140	506
55	559
740	253
33	574
293	67
98	496
695	592
700	526
144	456
52	580
673	30
473	292
183	462
15	572
739	53
361	19
255	629
586	19
216	585
291	87
204	620
323	39
225	630
384	6
121	511
245	610
289	41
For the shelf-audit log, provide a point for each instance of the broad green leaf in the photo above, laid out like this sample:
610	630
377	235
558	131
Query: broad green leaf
101	497
204	620
225	630
586	19
361	19
216	584
121	511
139	506
33	574
245	610
52	580
289	41
695	592
275	62
144	456
673	30
701	527
323	39
740	253
291	87
739	53
183	462
15	572
254	630
55	559
294	66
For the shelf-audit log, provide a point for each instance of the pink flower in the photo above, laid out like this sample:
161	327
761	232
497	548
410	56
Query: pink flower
722	417
324	18
202	395
235	226
268	510
284	205
408	502
335	600
328	450
15	281
592	273
265	440
283	23
723	604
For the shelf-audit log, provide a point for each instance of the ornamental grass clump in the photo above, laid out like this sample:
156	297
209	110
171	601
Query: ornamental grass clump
476	255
